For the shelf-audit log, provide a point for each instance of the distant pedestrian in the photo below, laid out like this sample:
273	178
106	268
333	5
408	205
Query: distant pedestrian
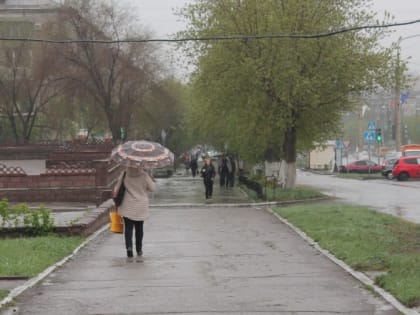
230	177
208	173
194	165
135	207
187	162
223	171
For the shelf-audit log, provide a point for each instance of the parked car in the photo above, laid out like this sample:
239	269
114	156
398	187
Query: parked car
388	166
407	167
362	166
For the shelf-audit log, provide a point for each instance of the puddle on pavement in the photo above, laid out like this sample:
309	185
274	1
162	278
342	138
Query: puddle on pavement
122	261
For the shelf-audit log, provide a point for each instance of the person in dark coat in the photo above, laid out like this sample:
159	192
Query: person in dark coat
223	171
230	178
208	172
194	166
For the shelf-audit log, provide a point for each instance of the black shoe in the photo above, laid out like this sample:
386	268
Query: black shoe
140	253
129	253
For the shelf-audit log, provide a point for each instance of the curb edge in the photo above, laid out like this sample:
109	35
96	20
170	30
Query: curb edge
355	274
33	281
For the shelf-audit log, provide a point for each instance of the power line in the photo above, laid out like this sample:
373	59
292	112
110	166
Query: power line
211	38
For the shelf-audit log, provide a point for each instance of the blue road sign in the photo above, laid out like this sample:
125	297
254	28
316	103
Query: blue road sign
369	136
404	97
371	125
339	145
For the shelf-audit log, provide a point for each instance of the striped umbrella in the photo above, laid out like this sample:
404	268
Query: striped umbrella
144	154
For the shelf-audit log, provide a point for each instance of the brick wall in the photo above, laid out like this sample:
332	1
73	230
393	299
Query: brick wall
26	152
75	173
60	185
54	151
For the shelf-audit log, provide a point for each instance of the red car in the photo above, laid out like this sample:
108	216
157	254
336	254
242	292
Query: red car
363	166
407	167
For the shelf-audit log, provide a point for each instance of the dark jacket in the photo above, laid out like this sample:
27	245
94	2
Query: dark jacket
208	172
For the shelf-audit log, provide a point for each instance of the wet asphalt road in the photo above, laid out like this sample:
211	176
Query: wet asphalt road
201	260
389	196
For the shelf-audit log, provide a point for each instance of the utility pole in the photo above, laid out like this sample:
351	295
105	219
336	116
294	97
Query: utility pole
398	101
360	126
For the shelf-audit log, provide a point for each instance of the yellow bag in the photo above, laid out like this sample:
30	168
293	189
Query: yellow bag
116	224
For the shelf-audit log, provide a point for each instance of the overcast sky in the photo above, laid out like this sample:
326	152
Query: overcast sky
158	17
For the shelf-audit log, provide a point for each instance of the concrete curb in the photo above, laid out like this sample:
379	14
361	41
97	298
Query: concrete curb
239	205
33	281
356	274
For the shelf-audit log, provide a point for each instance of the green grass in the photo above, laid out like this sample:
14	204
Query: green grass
361	176
366	240
278	194
299	193
29	256
3	294
249	192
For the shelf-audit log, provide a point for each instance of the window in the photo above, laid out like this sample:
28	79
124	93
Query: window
410	161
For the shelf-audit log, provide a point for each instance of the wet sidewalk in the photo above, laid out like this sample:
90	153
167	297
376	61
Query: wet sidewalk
188	190
201	260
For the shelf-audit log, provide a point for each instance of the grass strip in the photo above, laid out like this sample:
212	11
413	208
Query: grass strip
361	176
3	294
298	193
29	256
279	194
367	241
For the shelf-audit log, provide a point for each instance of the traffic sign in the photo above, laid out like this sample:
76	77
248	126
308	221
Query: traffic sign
369	136
339	145
371	125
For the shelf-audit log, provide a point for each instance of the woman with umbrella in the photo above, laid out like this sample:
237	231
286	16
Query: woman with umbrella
136	156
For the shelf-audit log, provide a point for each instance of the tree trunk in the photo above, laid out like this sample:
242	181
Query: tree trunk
289	151
14	128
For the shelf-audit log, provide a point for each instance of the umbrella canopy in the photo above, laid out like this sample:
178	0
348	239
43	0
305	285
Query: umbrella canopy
145	154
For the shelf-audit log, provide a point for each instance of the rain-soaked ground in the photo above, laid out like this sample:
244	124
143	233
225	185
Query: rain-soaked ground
181	189
400	199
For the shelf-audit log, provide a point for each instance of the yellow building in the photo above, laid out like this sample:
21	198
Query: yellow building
323	157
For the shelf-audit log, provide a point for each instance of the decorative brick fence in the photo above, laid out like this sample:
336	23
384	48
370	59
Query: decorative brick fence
60	185
32	152
71	176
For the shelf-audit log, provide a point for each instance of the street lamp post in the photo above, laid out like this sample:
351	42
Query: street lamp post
397	100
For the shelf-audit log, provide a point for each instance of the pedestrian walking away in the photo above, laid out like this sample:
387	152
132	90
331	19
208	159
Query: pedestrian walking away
208	172
230	177
223	171
194	165
135	207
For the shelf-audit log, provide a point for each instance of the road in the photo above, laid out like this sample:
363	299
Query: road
397	198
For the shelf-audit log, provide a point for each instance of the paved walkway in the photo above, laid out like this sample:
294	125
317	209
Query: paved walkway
201	260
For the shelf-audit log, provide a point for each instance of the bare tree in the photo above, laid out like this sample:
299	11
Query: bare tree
116	76
27	86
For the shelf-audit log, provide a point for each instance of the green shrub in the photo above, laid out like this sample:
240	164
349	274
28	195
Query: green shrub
34	222
3	294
